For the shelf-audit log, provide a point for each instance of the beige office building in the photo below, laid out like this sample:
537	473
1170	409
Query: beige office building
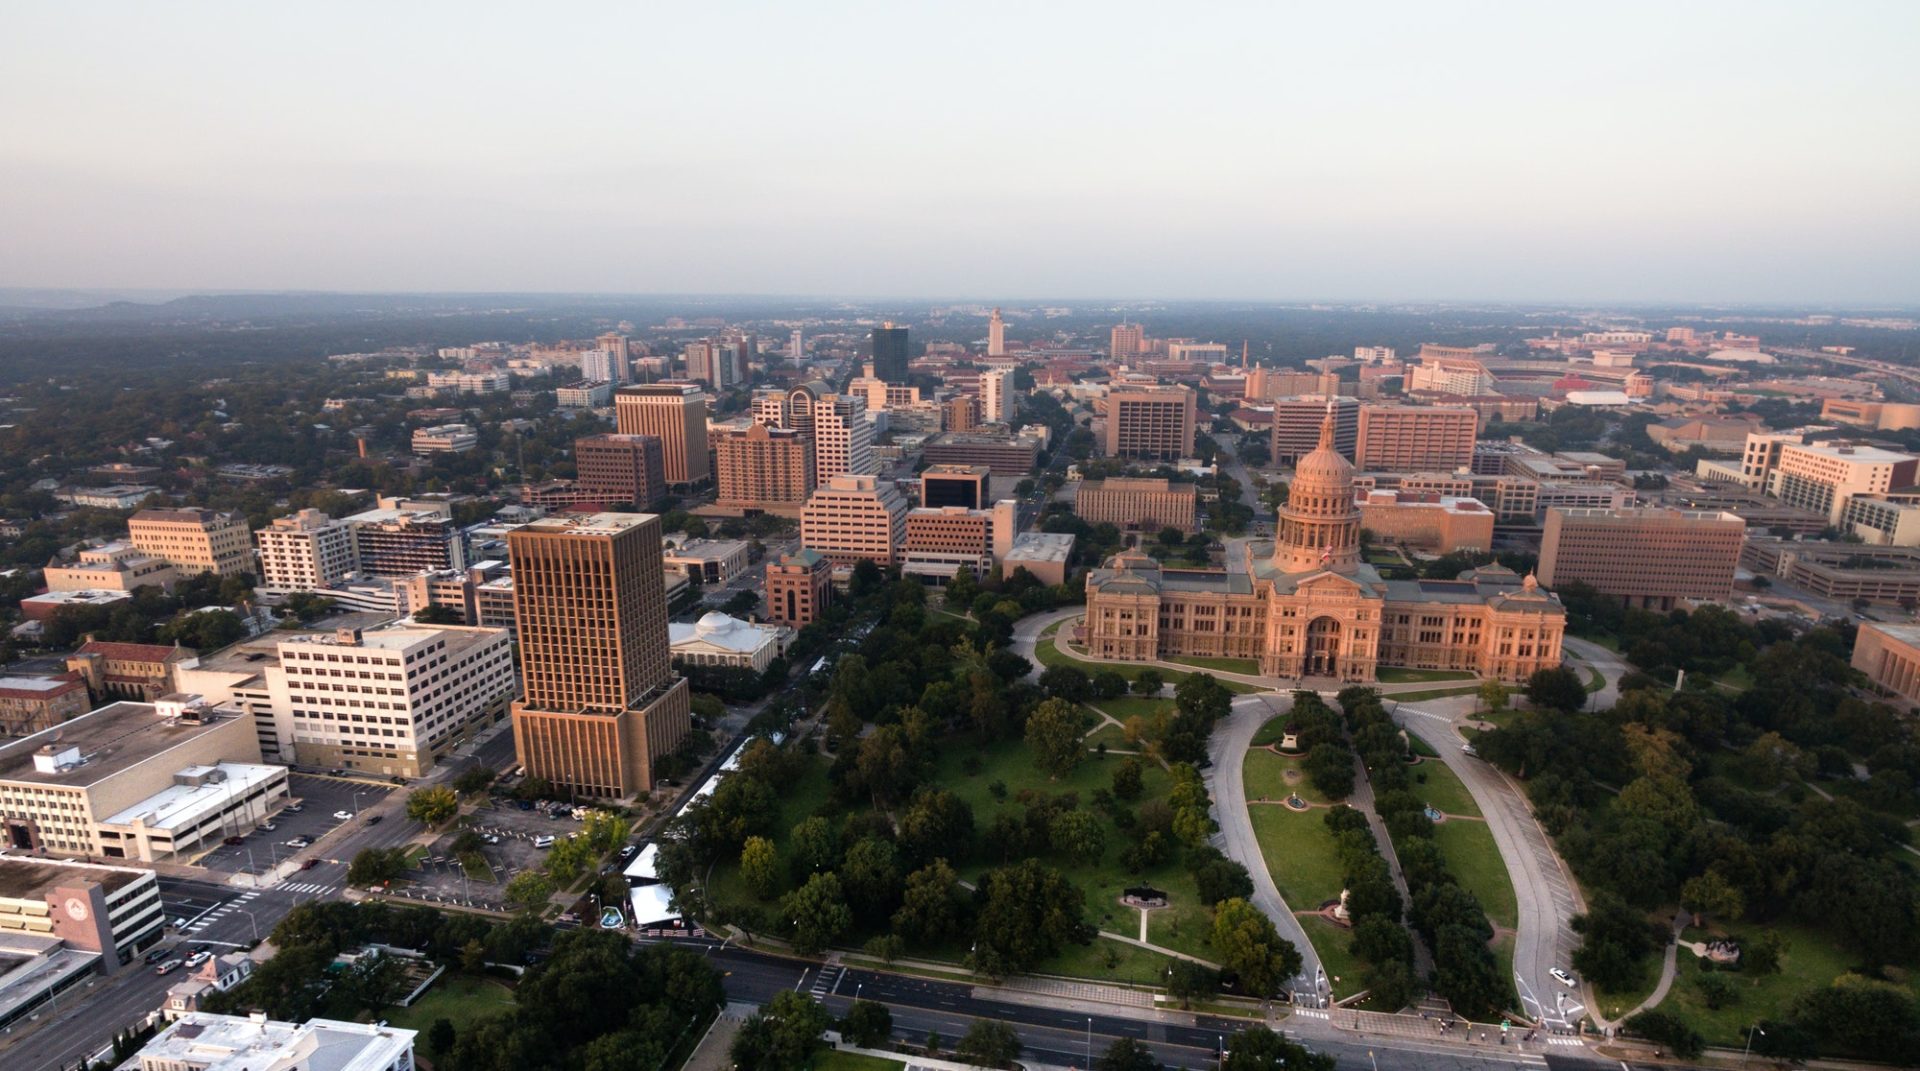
195	541
1141	505
764	469
1648	557
1889	654
305	552
855	517
1825	477
677	413
31	704
117	566
1150	423
942	541
1407	438
1438	524
601	702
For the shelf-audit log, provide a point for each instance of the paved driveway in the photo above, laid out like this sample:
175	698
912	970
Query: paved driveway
1228	748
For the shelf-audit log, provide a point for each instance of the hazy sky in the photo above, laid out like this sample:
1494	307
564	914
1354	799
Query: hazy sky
1687	151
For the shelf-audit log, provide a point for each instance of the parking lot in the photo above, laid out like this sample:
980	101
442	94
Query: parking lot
319	798
438	876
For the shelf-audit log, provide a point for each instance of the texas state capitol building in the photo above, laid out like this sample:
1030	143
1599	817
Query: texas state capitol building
1305	605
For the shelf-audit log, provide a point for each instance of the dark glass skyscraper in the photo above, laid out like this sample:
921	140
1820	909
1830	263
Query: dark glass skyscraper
890	354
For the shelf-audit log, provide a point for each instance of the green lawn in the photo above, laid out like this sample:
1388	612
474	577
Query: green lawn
1300	855
797	801
1111	735
1475	860
1271	732
837	1060
1617	1002
461	999
1433	693
1331	942
1050	655
1595	681
1419	746
1810	962
1442	790
1248	666
1129	706
1130	963
1399	675
1264	772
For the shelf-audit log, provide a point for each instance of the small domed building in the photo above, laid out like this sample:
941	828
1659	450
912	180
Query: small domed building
1306	605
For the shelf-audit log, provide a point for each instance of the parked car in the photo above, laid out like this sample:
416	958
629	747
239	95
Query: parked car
629	851
234	840
197	959
1467	749
295	808
1563	978
157	955
490	839
544	840
168	967
268	827
343	816
336	773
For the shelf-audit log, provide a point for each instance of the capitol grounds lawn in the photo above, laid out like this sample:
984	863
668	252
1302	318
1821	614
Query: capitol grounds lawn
839	1060
1810	962
1127	706
1398	675
1049	655
1248	666
458	998
1300	854
1475	861
1441	789
1432	693
1265	777
1183	926
1331	942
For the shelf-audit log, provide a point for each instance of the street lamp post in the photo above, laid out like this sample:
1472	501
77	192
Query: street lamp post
1751	1030
252	922
1089	1043
356	802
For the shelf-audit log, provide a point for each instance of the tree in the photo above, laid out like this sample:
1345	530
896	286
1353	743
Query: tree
870	874
1148	682
1026	912
473	780
1712	894
1127	783
1494	696
818	913
1188	981
438	614
929	911
473	956
868	1024
1556	688
937	824
1251	948
1330	767
433	806
782	1036
1762	955
1260	1049
530	889
371	866
1669	1030
440	1038
814	844
1056	731
760	867
1716	989
1066	682
1078	835
1126	1054
989	1043
1219	878
1109	685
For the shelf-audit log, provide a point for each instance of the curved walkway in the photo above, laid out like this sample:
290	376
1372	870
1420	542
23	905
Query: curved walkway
1231	739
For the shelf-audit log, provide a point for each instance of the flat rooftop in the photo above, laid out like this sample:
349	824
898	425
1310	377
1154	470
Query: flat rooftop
239	1043
587	524
1040	547
1867	455
183	806
28	879
110	739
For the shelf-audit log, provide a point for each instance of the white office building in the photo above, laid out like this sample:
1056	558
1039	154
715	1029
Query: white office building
202	1041
304	552
842	438
997	396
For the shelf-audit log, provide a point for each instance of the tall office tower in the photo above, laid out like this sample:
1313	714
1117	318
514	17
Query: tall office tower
623	470
955	485
1646	557
402	542
1128	340
763	469
842	438
853	517
677	413
194	541
305	551
1296	426
796	346
1415	438
799	587
890	353
997	402
996	336
615	344
734	354
1152	423
601	702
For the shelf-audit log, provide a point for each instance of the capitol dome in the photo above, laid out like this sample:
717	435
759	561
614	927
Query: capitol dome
715	623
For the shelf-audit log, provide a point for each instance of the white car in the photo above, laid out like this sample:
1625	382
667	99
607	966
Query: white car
343	816
197	959
543	841
1467	749
1563	978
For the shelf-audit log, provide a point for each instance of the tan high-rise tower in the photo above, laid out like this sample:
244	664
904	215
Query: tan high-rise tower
677	413
996	336
601	702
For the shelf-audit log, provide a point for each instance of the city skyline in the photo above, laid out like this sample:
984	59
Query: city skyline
1716	153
